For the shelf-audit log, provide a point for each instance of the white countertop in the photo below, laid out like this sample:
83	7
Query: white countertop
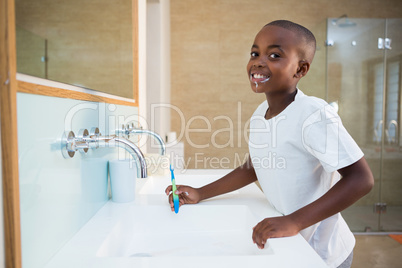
104	239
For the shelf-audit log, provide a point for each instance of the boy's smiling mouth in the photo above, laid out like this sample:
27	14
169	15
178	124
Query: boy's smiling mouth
259	78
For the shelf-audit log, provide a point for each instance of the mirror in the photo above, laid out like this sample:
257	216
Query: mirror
83	43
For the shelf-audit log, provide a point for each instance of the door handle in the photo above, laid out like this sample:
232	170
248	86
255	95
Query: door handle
394	138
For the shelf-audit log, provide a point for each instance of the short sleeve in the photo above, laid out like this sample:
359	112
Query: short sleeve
325	137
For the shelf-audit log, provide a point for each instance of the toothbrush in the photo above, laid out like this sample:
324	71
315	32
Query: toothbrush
175	196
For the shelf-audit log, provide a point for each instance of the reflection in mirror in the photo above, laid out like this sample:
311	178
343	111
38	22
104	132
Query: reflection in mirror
31	58
83	43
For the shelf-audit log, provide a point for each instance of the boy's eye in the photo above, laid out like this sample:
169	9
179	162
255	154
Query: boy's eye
274	55
254	54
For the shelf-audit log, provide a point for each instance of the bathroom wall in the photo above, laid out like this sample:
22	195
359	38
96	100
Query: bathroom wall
59	195
210	45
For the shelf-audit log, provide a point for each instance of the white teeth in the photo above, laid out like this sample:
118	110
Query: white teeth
259	76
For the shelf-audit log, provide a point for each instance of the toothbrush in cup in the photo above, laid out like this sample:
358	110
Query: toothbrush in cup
175	196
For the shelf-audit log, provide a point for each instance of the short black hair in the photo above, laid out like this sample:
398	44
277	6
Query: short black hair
303	32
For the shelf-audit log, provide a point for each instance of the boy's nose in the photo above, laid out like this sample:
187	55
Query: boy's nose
260	62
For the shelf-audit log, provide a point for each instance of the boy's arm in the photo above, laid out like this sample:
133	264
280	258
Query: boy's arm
357	180
238	178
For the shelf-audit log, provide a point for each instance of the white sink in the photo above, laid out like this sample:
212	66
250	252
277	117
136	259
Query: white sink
199	230
145	233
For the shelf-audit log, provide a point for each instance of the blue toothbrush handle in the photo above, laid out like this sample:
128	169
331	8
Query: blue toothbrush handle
176	205
174	188
175	197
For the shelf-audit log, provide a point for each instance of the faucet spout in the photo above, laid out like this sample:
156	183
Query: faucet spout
154	135
131	130
135	152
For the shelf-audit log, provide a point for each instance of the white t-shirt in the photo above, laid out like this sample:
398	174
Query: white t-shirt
296	155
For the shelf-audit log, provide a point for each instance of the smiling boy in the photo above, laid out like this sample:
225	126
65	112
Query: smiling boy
309	135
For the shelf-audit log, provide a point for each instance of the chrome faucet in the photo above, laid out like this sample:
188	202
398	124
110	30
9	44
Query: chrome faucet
127	130
85	141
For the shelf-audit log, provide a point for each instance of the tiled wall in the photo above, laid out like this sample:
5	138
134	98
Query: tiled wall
210	46
58	195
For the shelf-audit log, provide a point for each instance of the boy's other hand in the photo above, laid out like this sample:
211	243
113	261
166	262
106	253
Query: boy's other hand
187	195
272	228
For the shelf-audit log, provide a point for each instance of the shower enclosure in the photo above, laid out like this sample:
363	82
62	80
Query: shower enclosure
364	58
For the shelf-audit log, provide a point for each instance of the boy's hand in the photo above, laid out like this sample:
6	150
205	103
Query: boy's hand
272	228
187	195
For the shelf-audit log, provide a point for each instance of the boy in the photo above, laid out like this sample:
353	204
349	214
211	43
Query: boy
308	135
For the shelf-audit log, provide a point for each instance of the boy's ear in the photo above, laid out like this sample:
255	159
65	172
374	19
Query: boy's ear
303	68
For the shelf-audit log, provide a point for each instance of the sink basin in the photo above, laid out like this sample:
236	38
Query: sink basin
145	233
199	230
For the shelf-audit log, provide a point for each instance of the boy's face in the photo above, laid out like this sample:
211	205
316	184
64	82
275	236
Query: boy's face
274	61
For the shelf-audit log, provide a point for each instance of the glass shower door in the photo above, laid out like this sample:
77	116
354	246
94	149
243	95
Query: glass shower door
391	169
355	71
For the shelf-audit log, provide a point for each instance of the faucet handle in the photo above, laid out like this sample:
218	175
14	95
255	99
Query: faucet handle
129	127
83	137
123	130
68	144
93	138
95	131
